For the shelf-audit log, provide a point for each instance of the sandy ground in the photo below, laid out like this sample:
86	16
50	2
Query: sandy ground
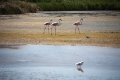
102	29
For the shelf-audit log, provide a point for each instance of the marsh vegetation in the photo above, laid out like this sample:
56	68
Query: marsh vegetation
63	5
16	7
25	6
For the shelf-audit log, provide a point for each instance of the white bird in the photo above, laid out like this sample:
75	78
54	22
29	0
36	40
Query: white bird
54	24
79	63
77	24
47	25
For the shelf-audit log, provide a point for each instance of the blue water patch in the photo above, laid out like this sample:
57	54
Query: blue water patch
58	62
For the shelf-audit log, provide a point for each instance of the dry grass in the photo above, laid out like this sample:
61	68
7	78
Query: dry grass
96	38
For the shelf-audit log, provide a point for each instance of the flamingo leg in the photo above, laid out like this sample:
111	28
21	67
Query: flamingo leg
75	29
79	30
48	28
51	30
44	29
55	30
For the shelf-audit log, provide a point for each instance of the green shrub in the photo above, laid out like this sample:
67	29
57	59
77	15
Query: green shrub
79	5
17	7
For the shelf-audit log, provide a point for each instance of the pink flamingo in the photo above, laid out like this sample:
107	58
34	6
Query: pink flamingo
47	25
77	24
54	24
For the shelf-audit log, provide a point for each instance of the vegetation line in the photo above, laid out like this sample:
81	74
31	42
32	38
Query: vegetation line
23	6
76	5
16	7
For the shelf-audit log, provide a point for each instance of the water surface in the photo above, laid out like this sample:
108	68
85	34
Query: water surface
57	62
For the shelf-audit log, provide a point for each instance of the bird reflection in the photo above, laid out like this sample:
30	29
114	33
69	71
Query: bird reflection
80	69
79	66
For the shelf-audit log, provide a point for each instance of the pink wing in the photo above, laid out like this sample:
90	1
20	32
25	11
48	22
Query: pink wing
55	23
47	23
77	23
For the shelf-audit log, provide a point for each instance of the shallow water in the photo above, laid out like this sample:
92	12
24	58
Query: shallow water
82	12
57	62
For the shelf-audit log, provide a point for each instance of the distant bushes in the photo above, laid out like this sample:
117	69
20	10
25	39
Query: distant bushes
16	7
24	6
63	5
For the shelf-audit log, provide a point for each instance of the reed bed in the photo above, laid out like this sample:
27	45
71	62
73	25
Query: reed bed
25	6
16	7
63	5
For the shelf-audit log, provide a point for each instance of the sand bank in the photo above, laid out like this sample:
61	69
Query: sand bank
102	29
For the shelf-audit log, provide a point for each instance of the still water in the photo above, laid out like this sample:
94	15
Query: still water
57	62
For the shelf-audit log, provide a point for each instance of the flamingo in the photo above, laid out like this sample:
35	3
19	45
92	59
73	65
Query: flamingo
79	63
47	25
54	24
77	24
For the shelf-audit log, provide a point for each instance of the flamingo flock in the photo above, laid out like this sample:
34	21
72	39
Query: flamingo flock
54	24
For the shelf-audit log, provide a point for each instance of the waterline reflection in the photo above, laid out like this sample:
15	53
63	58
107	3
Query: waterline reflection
80	69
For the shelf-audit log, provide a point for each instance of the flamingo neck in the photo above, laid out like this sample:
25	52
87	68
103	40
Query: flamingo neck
80	21
59	22
50	22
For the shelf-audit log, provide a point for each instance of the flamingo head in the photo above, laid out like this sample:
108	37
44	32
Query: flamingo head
81	19
82	62
60	19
